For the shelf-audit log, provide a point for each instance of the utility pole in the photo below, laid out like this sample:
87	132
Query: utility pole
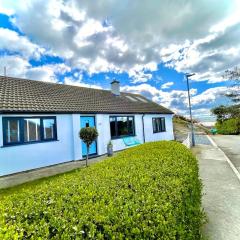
188	75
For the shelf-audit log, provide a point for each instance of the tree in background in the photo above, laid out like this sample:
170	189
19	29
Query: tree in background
226	112
228	117
220	112
88	136
234	92
234	77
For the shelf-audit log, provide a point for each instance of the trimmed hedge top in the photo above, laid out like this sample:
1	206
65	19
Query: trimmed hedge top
151	191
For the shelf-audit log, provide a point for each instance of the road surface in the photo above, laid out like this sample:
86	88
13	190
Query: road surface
230	145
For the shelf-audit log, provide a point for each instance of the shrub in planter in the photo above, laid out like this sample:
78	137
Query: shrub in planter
110	149
151	191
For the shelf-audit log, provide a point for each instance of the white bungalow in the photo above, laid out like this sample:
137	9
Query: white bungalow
40	122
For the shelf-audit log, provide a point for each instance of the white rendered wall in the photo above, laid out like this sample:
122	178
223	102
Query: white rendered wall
68	147
29	156
1	138
77	144
103	126
150	136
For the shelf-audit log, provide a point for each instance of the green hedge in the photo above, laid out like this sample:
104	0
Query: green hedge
151	191
230	126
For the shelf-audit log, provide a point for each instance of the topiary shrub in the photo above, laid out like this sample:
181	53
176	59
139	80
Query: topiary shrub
88	136
230	126
151	191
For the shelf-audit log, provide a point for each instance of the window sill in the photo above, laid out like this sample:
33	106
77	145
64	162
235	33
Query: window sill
116	138
28	143
159	132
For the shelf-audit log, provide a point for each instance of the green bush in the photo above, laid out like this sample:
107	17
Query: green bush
88	135
151	191
230	126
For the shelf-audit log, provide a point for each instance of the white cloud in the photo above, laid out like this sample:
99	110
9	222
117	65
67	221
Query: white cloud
231	20
19	67
6	8
126	36
13	42
79	83
138	72
89	28
211	55
74	30
167	85
177	100
209	96
46	73
15	65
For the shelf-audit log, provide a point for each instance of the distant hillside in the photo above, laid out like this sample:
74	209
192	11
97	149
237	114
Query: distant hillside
182	126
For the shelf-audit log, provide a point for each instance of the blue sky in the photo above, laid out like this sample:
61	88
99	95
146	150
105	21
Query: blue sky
142	44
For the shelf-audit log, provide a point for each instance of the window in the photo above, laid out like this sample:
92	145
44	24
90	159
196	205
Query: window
31	129
122	126
12	131
131	98
142	99
49	129
159	125
113	126
131	125
20	130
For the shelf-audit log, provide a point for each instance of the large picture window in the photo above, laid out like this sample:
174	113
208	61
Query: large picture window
159	125
22	130
122	126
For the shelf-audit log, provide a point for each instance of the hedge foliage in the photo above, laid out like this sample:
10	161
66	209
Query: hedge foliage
230	126
151	191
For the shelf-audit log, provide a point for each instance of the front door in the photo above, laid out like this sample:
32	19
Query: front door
88	122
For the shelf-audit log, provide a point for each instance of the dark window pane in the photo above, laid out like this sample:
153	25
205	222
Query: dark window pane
159	125
122	126
49	129
23	130
12	131
31	129
112	126
163	124
154	125
130	125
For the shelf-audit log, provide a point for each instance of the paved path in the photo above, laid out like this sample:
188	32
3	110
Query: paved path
230	145
202	139
221	199
23	177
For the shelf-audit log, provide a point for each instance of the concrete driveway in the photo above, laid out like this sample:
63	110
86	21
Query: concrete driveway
230	145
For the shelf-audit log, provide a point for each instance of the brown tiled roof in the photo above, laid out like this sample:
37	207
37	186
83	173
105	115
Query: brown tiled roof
22	95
